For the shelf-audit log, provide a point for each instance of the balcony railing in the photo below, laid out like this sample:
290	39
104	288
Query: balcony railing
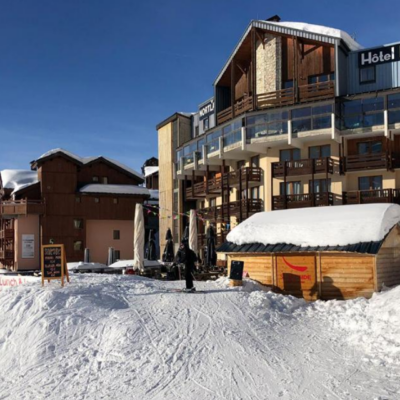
244	104
6	255
302	167
302	200
275	99
7	234
361	162
224	115
240	209
22	207
317	90
372	196
252	175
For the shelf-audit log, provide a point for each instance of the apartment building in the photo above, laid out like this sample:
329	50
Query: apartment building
304	117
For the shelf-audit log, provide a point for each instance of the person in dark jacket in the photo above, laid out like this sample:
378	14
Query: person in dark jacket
188	257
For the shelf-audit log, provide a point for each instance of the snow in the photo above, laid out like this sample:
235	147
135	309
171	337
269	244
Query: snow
87	160
129	264
75	266
322	30
114	189
18	179
150	170
127	337
318	226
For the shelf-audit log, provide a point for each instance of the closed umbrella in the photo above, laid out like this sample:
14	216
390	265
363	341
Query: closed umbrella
151	252
138	240
193	232
168	255
86	256
110	256
211	258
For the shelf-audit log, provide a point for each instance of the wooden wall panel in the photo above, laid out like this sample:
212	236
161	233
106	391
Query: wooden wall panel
347	276
352	144
258	267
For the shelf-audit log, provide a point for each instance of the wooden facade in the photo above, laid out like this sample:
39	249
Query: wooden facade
326	275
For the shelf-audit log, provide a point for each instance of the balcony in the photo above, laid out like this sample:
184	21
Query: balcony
240	209
7	234
302	167
302	200
278	98
22	207
318	90
250	176
242	105
372	196
362	162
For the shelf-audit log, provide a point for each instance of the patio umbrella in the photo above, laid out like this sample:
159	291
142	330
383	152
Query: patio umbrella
168	255
138	240
193	232
151	251
110	256
211	258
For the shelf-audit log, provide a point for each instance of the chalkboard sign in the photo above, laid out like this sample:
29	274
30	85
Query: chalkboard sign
54	263
236	270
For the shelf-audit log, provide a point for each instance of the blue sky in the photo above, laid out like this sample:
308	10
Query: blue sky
96	76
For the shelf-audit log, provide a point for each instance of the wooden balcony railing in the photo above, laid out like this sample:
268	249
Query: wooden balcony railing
224	115
250	175
367	161
317	90
240	209
244	104
302	167
6	255
7	234
22	207
275	99
302	200
372	196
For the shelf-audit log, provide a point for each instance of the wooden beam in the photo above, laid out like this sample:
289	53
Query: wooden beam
260	38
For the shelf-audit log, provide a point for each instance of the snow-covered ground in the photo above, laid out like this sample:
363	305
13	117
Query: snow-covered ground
125	337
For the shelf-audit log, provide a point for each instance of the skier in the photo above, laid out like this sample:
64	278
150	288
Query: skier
188	257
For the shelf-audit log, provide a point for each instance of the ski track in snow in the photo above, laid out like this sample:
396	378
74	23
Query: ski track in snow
114	337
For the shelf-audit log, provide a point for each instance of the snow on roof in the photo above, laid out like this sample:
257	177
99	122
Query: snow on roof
150	170
318	226
322	30
114	189
18	179
87	160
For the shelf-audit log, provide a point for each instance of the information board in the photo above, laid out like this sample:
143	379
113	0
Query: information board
236	270
54	264
28	246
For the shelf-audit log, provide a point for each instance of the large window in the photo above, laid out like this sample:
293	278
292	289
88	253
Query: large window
268	124
289	155
213	141
321	78
255	161
320	185
370	182
232	133
362	113
311	118
394	108
320	151
206	124
291	188
78	223
367	74
369	147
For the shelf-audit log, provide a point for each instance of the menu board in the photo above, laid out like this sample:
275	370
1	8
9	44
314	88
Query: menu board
236	270
53	263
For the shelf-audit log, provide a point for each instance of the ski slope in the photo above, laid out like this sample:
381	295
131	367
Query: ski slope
123	337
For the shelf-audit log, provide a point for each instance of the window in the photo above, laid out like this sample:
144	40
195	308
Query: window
319	151
311	118
78	223
370	147
361	113
320	185
321	78
115	200
255	161
240	164
96	200
116	235
287	84
394	108
78	245
255	193
370	182
206	124
213	202
367	74
77	199
289	155
241	195
104	180
117	254
95	179
268	124
291	188
196	130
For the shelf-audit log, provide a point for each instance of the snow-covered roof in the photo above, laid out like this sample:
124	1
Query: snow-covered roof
17	179
150	170
318	226
99	188
87	160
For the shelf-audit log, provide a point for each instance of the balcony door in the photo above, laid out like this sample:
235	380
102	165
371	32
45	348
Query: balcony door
291	188
370	147
321	185
319	151
370	182
289	155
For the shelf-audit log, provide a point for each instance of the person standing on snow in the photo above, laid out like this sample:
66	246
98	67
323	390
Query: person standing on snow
188	257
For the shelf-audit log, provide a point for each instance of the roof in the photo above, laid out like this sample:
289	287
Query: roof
18	179
87	160
172	118
308	31
324	227
150	170
98	188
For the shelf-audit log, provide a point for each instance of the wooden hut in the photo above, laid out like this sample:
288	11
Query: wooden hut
326	253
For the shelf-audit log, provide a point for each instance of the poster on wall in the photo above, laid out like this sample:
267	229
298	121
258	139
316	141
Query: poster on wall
28	246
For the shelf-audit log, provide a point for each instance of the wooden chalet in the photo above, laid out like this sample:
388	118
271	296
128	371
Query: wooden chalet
366	258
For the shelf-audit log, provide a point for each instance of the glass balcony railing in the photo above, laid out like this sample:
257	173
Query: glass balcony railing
232	138
213	146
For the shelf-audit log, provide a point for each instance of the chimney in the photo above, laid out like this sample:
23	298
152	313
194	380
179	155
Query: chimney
275	18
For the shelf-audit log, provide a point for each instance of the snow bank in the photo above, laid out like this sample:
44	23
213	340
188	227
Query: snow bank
150	170
323	30
319	226
85	266
114	189
18	179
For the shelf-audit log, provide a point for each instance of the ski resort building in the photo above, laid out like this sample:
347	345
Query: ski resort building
325	253
66	199
304	117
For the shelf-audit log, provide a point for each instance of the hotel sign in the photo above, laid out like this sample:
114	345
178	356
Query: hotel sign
206	109
379	56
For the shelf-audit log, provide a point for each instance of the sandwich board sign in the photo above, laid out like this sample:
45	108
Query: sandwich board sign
54	263
236	270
